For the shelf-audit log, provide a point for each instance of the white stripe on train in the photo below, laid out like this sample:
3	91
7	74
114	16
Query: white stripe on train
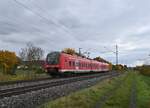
68	70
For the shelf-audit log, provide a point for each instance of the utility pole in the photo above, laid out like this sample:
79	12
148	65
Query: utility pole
88	54
80	51
117	52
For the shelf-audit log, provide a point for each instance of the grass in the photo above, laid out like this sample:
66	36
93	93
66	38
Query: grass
86	98
21	75
121	96
143	91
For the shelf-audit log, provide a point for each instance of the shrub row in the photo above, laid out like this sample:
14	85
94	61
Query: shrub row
145	70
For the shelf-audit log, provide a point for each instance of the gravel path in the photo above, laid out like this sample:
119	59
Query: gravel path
133	94
35	98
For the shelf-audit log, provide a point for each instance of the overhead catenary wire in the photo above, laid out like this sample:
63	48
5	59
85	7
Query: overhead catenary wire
60	26
54	19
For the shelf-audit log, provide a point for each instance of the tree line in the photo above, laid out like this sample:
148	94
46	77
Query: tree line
9	60
144	69
30	55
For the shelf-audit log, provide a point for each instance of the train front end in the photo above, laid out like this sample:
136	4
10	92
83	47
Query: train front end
52	63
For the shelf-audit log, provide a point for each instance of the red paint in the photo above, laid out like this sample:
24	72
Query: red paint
77	64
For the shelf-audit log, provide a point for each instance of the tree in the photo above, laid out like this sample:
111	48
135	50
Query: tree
8	61
31	53
144	69
23	54
119	67
101	60
70	51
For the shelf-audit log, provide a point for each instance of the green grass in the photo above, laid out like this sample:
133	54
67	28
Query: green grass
21	75
121	96
86	98
143	91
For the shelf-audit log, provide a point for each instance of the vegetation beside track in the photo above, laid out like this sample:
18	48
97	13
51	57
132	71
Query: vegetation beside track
120	98
22	75
86	98
143	91
145	69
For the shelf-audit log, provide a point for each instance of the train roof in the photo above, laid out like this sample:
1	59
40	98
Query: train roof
79	57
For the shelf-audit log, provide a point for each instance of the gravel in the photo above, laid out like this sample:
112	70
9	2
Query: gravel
24	84
36	98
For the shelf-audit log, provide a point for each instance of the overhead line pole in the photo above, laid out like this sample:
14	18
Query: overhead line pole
80	51
117	53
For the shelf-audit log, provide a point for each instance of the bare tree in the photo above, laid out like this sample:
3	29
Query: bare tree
22	54
31	53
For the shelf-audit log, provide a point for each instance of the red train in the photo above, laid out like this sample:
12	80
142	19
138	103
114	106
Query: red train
58	63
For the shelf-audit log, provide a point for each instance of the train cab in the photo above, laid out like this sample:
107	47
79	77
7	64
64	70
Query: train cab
52	62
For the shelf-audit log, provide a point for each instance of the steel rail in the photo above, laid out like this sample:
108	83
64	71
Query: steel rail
21	90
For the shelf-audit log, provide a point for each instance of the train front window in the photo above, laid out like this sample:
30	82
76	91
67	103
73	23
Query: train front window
53	58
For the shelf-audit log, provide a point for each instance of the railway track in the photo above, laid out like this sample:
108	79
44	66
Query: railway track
6	83
46	84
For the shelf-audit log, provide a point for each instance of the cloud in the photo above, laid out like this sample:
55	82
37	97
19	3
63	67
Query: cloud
90	24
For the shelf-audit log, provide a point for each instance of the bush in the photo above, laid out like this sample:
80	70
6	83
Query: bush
40	71
145	70
8	62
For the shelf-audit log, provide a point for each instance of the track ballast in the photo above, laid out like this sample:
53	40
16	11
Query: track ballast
47	84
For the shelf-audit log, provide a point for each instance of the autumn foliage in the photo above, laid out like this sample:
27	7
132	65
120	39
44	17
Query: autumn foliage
101	60
8	60
70	51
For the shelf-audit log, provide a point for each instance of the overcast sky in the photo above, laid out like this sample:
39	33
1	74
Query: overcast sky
93	25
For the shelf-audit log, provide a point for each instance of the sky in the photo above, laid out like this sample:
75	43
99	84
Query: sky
95	26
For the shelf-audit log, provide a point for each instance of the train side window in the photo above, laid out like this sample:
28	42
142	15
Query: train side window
79	64
73	63
70	63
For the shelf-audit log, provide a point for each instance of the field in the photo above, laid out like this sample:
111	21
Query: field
21	75
129	90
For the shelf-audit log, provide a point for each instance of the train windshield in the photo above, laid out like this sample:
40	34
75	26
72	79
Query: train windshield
53	58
